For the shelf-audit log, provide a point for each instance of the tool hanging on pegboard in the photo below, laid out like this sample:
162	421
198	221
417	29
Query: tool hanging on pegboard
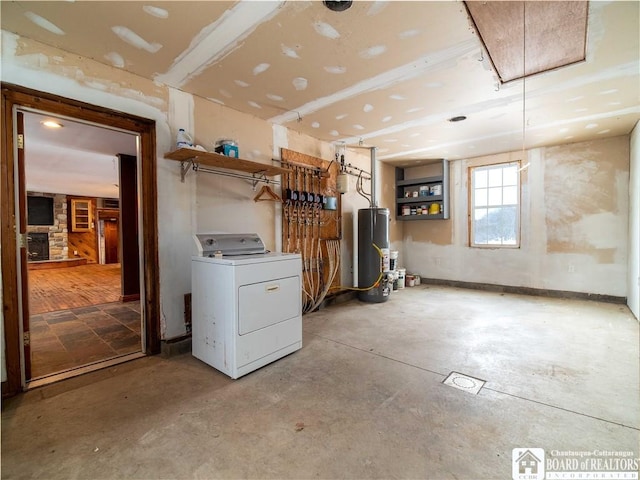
312	222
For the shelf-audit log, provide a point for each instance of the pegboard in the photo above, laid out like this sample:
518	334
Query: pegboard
312	221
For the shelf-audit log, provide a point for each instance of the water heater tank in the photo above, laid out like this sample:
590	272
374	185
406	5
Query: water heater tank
373	228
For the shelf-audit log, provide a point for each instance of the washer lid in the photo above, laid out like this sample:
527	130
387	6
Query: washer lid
209	244
237	260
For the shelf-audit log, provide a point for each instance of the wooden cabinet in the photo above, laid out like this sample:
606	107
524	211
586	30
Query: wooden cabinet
81	216
423	197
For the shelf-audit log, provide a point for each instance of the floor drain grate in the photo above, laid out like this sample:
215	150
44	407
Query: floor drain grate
464	382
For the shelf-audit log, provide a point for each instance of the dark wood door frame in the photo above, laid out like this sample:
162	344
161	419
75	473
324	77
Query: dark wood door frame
17	96
129	257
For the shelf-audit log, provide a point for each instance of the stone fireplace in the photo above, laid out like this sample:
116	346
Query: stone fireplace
37	246
57	235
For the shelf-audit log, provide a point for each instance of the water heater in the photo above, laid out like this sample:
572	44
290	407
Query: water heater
373	263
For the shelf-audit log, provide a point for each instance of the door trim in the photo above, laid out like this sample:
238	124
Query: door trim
22	248
17	96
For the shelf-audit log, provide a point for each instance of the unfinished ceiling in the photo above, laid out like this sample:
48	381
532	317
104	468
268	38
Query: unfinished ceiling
387	73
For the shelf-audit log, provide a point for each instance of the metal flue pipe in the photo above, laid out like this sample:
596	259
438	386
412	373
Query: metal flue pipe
374	202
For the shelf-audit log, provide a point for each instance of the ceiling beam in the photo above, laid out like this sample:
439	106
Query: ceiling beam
218	40
419	67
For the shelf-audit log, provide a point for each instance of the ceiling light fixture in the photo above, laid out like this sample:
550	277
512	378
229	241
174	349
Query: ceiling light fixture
337	5
52	124
459	118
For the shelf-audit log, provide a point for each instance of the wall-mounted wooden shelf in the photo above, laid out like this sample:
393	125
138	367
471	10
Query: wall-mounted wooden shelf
196	158
81	215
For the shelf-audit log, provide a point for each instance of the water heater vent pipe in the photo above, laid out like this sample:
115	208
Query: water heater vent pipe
374	202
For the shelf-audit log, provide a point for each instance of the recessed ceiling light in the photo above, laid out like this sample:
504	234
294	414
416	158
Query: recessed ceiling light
459	118
338	5
52	124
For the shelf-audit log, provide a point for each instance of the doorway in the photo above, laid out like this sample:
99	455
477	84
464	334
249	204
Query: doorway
110	239
14	254
77	310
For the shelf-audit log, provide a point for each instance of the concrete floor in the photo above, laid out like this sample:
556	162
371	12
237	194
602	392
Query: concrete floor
363	399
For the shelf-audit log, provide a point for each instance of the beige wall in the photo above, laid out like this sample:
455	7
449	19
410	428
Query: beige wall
574	219
225	204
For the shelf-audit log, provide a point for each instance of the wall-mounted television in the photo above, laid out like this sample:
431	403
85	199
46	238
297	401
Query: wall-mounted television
39	210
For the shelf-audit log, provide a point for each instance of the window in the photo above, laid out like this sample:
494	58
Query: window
495	205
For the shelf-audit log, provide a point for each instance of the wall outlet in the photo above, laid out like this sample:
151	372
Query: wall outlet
75	252
572	268
438	261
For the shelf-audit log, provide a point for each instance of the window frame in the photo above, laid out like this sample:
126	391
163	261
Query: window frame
472	206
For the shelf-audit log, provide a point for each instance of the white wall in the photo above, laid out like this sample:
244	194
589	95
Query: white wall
574	224
633	276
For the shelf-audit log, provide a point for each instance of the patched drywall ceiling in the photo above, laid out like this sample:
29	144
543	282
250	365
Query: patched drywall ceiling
385	73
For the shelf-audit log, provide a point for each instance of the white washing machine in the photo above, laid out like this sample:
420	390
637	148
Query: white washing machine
246	309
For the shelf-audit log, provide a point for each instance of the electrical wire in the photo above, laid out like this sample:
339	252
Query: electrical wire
319	264
333	252
375	284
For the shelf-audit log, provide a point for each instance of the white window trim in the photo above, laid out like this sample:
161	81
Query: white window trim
471	211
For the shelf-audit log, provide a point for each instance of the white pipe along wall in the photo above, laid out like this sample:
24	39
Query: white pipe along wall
633	276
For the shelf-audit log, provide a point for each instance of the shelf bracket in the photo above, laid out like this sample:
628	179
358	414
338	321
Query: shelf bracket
185	166
257	178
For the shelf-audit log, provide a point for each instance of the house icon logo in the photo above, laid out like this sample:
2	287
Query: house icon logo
527	463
